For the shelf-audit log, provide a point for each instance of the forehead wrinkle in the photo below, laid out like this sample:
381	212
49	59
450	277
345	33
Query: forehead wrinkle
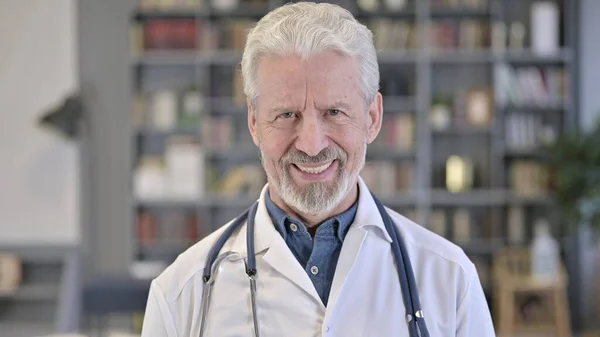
305	66
294	91
332	85
284	93
331	92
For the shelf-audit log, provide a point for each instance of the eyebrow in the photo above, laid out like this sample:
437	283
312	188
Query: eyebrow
335	105
282	109
339	104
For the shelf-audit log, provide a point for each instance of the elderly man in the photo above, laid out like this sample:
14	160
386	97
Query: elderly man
317	255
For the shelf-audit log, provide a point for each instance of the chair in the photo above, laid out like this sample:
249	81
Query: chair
512	278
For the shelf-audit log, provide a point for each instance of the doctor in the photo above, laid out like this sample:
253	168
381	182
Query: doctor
324	258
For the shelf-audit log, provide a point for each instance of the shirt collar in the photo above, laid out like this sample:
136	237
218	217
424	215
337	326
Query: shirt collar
279	218
276	214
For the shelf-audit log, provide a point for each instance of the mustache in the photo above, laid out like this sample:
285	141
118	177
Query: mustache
327	154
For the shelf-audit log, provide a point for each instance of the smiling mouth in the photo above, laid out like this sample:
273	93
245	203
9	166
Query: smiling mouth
314	170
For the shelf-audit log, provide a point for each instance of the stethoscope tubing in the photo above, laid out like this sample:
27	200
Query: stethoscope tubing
405	273
414	314
207	288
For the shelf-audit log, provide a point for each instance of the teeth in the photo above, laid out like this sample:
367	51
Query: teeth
315	170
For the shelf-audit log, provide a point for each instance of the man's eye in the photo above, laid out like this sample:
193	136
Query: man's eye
333	112
288	115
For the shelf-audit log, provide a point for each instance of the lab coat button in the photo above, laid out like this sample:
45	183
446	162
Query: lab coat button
326	328
314	270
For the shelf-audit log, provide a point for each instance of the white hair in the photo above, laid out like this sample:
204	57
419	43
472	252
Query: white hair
303	29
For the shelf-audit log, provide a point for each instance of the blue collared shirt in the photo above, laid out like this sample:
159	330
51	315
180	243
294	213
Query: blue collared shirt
318	257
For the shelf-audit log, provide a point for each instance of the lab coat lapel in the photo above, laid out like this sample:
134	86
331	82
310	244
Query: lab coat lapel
278	255
280	258
366	222
350	249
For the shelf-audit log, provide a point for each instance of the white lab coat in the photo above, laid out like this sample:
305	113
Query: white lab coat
365	299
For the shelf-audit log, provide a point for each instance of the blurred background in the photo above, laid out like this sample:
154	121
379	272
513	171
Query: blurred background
123	141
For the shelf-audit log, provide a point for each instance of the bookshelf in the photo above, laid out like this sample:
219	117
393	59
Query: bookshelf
468	99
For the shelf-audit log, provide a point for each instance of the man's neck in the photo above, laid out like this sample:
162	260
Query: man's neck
312	222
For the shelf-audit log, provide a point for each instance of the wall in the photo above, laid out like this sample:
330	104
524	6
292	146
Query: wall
38	170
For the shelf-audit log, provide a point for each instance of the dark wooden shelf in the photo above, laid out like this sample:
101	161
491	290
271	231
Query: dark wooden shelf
481	246
251	12
209	201
528	57
382	153
159	133
460	13
227	106
187	58
169	203
462	131
462	57
513	199
400	200
153	14
441	197
533	153
237	152
399	104
36	292
408	57
535	107
163	249
241	12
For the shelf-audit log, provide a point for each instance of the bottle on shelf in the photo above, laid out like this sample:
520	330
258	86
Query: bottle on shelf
545	254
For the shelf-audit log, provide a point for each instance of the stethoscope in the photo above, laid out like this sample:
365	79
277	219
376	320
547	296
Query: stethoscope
414	316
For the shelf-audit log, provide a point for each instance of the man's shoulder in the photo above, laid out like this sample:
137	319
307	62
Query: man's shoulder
432	244
187	267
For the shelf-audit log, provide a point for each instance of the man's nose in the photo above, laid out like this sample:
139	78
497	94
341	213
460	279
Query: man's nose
311	135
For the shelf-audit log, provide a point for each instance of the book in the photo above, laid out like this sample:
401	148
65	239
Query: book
528	179
185	167
170	34
387	179
437	222
532	85
461	222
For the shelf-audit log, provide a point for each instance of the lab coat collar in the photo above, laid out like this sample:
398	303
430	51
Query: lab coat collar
277	255
264	230
280	257
366	216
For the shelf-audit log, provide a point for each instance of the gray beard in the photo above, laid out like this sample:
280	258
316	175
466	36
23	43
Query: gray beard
314	198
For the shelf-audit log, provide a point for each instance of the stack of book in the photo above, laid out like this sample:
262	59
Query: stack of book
394	35
541	86
526	131
177	175
386	178
458	4
528	179
397	133
464	35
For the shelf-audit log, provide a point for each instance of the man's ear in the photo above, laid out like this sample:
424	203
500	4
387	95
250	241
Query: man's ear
252	122
375	118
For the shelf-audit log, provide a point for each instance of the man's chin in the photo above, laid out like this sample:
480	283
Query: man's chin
315	189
